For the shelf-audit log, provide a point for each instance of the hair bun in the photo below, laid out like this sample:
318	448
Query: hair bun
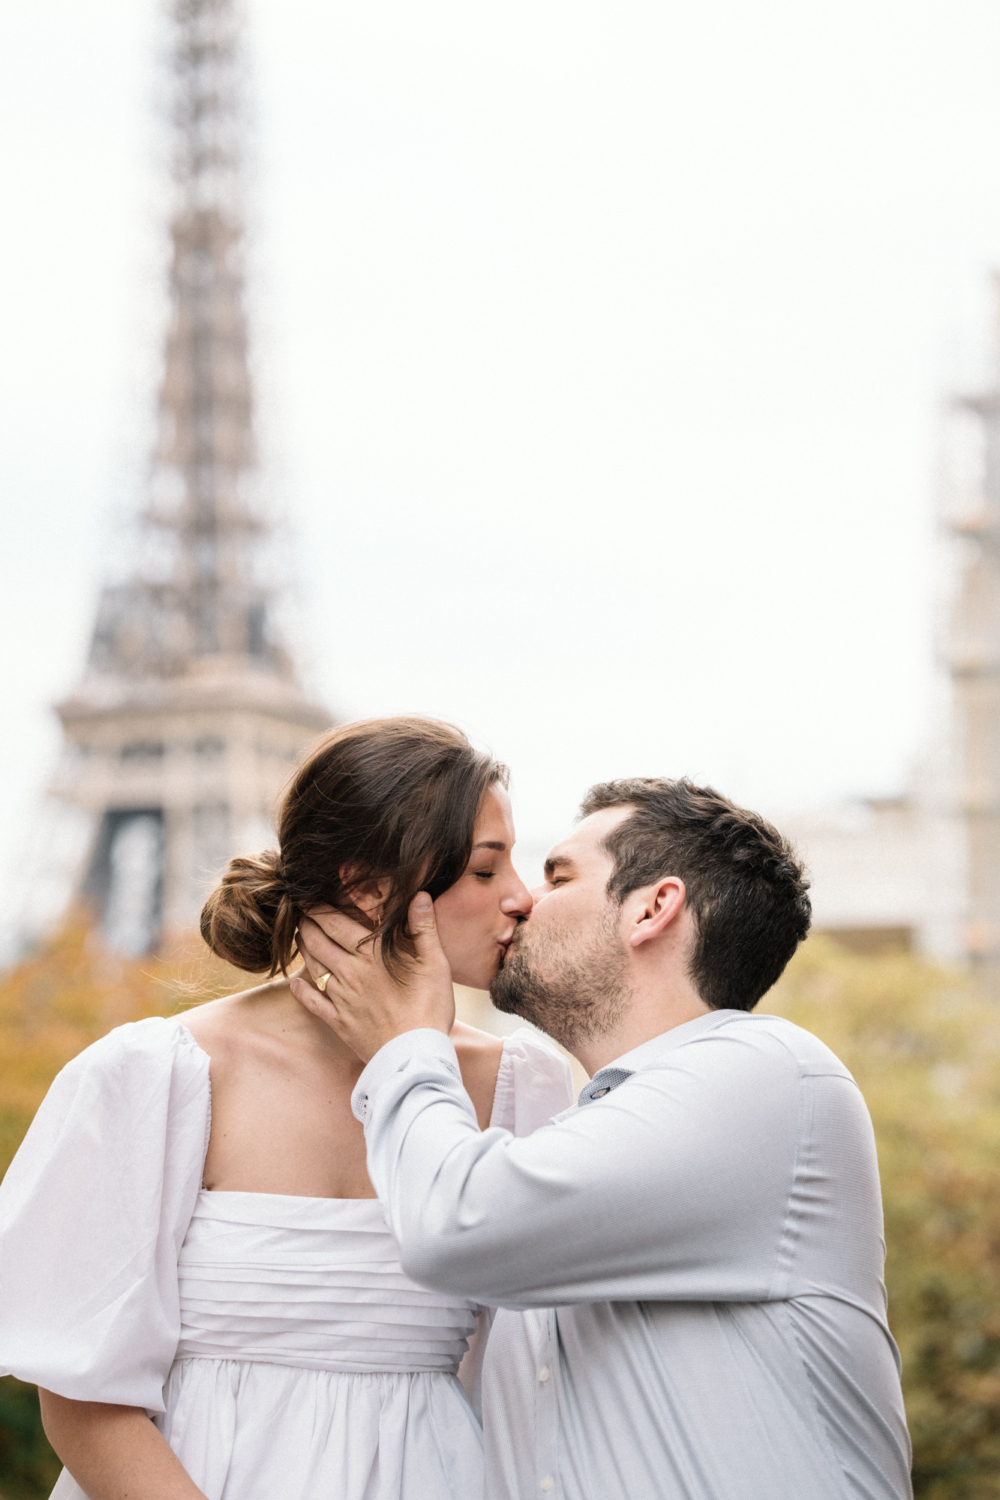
249	917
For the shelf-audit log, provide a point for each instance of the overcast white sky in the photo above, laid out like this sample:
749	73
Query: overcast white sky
600	346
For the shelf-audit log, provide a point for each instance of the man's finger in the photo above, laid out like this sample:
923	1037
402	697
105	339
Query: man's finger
311	969
422	924
339	928
326	951
309	996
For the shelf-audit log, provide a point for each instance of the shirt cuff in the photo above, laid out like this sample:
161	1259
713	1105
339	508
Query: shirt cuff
392	1059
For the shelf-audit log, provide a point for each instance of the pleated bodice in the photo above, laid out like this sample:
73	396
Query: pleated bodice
310	1282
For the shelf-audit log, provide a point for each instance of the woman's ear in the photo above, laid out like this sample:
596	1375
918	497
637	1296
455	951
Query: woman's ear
369	896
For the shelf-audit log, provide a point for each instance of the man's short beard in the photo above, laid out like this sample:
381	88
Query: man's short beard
573	991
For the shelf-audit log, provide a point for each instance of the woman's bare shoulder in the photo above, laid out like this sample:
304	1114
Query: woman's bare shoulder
217	1024
210	1023
472	1043
479	1057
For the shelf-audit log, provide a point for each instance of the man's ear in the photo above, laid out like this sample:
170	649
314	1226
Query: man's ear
663	905
368	896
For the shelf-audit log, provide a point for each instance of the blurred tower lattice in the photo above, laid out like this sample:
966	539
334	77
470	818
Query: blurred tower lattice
189	718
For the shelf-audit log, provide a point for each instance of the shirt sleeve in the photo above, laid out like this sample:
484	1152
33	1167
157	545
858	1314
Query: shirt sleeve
675	1186
93	1211
533	1084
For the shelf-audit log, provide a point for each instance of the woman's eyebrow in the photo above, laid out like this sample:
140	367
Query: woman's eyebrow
491	844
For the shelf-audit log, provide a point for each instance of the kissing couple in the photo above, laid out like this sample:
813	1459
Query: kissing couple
320	1241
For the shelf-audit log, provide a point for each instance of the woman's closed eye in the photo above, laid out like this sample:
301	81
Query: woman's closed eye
484	874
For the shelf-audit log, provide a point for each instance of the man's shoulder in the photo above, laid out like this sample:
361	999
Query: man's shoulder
743	1071
775	1037
737	1042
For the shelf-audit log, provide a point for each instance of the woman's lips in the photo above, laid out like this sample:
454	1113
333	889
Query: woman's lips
504	944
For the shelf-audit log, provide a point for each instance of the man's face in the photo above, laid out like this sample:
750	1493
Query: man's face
566	969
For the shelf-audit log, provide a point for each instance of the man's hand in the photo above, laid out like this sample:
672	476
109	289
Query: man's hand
363	1003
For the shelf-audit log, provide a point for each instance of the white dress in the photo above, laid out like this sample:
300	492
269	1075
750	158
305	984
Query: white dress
275	1341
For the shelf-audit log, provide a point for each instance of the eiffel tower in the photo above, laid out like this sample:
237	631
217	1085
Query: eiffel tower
189	718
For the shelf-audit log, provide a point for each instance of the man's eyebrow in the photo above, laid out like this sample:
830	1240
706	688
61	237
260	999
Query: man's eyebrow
491	844
558	862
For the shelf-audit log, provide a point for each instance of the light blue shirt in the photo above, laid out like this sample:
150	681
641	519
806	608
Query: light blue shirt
691	1259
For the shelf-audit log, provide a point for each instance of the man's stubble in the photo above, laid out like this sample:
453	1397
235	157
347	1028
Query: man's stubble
570	989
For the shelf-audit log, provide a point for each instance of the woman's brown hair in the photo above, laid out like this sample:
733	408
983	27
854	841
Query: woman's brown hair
383	799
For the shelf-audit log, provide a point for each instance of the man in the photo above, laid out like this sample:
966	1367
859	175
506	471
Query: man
691	1259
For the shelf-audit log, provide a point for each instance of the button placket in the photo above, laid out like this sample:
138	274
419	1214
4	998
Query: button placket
547	1411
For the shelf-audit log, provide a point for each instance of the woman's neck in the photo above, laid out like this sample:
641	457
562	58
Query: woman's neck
271	1007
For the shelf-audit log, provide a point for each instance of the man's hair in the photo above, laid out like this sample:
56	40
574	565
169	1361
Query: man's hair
746	891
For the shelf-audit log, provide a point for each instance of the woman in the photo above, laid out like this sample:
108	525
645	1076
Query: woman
188	1230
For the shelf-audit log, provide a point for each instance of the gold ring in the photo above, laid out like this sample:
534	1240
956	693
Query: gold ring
321	982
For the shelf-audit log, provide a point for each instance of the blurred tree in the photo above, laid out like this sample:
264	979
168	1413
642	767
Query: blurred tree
923	1045
28	1467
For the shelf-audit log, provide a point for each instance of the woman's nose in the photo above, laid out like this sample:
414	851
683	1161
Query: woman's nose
518	904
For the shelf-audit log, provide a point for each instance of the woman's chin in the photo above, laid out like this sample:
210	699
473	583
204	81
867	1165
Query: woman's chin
474	981
475	976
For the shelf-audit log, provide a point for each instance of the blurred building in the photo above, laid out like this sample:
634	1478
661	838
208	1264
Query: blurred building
189	718
923	870
887	873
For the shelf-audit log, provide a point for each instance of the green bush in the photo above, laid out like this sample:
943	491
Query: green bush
28	1467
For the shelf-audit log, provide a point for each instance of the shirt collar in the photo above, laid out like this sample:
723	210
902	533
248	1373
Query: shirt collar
648	1054
603	1081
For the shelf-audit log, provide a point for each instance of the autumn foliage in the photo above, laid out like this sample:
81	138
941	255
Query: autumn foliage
923	1044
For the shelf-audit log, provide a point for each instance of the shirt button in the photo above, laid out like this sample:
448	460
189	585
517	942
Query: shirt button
548	1483
544	1374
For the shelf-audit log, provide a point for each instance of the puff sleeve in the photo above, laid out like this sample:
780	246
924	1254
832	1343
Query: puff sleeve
533	1084
93	1212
